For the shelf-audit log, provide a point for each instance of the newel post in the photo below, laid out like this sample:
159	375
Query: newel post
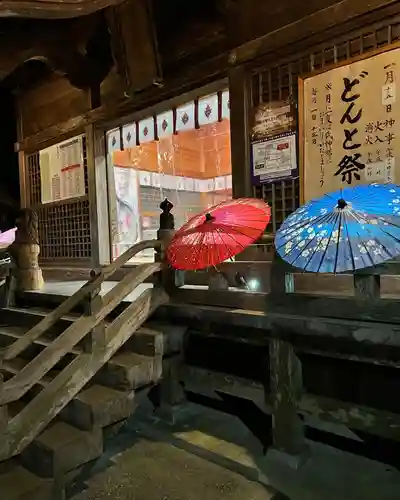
167	278
93	303
171	396
25	252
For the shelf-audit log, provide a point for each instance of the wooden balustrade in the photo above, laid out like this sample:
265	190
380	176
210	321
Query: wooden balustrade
100	340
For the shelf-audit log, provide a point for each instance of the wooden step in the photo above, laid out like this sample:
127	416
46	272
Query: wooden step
9	334
173	335
60	449
18	483
98	406
130	371
95	406
28	318
152	339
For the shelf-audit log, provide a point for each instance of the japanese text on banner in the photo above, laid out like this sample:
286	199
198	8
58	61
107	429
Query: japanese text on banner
349	118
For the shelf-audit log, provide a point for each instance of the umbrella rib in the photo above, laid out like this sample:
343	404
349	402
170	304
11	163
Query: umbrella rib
317	246
198	245
338	240
297	245
355	214
327	246
319	220
220	259
378	242
351	248
224	243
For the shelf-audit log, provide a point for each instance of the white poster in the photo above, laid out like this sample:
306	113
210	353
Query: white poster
126	190
274	158
62	171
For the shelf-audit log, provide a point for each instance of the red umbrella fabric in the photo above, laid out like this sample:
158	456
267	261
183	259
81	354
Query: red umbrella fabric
217	234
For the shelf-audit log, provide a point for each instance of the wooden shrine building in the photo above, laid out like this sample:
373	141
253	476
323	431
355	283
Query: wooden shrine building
122	104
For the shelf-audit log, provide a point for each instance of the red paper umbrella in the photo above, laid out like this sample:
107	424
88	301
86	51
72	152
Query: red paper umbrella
218	234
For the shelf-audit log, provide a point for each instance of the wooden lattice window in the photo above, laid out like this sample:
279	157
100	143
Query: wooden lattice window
64	226
278	82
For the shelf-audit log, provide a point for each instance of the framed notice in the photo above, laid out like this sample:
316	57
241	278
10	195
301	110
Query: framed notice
274	159
272	119
62	171
348	117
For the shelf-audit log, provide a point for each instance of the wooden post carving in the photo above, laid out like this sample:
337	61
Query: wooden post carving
167	277
25	252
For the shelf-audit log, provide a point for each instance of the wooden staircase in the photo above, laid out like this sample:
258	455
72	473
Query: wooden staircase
68	379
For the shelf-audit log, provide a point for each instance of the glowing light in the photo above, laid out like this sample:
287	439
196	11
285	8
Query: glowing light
253	284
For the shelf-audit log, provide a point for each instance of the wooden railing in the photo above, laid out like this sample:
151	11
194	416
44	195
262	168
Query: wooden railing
101	341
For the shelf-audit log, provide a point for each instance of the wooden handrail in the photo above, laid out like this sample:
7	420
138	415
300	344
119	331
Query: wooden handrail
30	375
65	307
54	397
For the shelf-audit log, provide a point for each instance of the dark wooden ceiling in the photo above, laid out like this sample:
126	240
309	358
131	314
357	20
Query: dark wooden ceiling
80	47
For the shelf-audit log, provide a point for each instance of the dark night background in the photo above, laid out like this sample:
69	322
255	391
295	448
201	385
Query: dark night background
9	175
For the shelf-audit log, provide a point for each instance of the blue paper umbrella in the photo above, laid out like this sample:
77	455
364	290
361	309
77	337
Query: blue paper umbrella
350	229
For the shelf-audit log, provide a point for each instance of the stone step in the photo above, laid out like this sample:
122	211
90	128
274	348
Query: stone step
130	371
18	483
60	449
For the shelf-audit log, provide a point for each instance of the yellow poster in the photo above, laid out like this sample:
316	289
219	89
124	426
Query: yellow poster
349	119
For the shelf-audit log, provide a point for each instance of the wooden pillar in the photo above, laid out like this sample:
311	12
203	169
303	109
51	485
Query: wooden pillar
281	280
240	105
98	196
23	181
286	390
25	252
286	383
367	287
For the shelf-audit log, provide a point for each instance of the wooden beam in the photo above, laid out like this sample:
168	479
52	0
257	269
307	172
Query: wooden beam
188	79
367	419
41	9
286	325
239	97
333	17
135	44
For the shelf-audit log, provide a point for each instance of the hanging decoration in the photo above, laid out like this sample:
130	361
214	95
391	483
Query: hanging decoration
146	130
113	140
165	124
185	117
225	105
208	109
129	136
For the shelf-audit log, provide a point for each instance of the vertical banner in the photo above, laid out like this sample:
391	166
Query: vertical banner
348	125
